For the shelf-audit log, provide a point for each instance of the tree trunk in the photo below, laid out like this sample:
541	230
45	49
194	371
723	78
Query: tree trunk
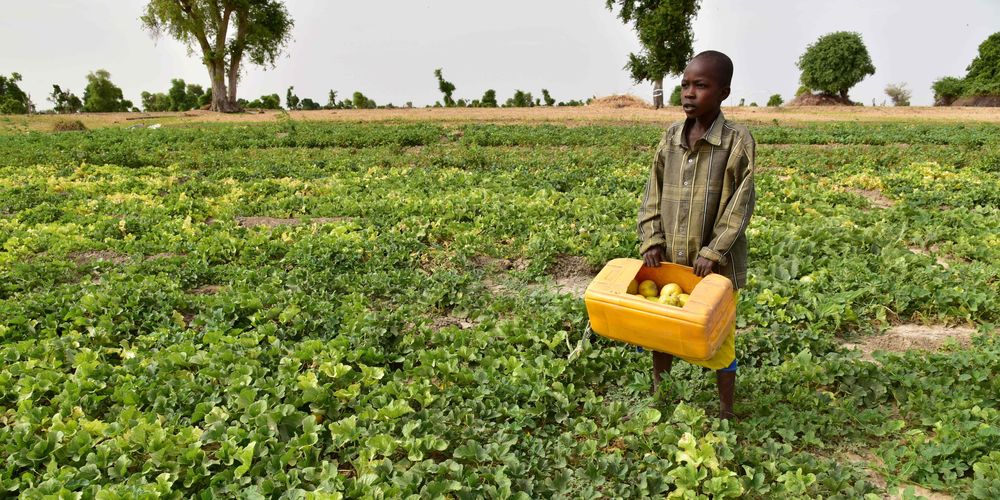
220	98
658	93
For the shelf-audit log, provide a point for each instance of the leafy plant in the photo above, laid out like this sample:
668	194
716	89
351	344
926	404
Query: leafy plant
835	63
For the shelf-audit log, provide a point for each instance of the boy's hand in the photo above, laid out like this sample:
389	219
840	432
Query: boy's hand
653	257
703	266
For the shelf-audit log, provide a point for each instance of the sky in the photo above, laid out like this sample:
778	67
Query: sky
388	49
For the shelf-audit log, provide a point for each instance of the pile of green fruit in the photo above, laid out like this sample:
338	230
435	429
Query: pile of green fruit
671	294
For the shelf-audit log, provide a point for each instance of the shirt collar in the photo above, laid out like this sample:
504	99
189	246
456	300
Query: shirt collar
713	136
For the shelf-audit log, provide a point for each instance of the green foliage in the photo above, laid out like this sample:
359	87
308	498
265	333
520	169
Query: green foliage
309	105
157	343
664	29
549	101
225	33
775	100
103	96
675	96
445	87
13	100
571	103
361	102
155	102
64	101
835	63
272	101
489	99
520	99
333	103
982	77
899	94
291	100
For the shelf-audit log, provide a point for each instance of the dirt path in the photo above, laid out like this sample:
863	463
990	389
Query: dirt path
564	115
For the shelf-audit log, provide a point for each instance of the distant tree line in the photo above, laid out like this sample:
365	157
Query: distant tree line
520	99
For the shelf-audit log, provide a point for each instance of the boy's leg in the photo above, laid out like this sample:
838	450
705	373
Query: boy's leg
661	363
726	380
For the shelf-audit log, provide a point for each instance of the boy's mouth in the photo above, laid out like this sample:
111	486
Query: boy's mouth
688	107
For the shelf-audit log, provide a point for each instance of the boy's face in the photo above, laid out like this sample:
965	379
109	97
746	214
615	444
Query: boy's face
701	90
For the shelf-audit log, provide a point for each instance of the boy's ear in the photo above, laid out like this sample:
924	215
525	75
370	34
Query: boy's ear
725	93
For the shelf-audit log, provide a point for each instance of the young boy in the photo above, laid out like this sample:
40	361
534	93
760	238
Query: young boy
699	199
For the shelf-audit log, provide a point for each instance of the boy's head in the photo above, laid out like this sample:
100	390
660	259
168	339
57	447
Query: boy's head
705	83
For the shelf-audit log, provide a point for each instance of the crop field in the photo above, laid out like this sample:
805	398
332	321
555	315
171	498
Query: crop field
312	309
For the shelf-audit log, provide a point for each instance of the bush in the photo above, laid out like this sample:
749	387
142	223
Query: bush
13	100
272	101
489	99
103	96
65	125
835	63
899	94
947	90
521	99
549	101
775	101
982	77
675	96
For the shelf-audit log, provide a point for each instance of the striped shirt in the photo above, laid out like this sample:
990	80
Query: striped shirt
699	199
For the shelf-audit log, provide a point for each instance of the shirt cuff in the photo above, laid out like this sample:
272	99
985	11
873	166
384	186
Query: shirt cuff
713	256
650	243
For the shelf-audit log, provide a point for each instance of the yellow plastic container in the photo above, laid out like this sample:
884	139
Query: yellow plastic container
694	331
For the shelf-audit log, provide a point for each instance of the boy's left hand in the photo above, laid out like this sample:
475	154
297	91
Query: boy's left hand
703	266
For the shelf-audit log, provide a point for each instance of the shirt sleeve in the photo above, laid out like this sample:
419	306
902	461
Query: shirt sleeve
738	209
650	229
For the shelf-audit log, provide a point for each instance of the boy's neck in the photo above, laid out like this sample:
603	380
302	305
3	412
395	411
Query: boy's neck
696	128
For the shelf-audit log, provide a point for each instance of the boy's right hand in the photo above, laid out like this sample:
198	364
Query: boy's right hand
653	257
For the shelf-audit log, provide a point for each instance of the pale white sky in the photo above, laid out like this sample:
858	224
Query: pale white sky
389	49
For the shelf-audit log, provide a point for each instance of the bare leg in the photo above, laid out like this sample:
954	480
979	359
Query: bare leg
727	390
661	363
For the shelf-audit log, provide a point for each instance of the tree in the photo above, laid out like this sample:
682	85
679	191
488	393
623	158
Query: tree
362	102
521	99
982	76
226	32
899	94
291	100
64	101
445	87
489	99
664	29
13	100
271	101
103	96
155	102
309	105
549	101
835	63
775	101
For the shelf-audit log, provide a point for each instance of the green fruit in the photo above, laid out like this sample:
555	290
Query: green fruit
648	288
633	287
671	289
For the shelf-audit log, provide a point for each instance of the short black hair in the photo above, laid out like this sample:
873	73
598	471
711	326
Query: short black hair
723	65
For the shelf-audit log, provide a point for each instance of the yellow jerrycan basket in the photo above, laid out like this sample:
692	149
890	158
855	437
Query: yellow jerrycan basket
694	331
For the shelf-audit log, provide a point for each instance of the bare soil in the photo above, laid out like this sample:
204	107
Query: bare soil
875	197
564	115
909	337
499	264
98	256
206	290
572	274
979	100
820	100
439	322
620	101
274	222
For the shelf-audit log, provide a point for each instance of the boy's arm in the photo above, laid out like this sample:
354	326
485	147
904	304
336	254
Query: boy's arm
736	214
650	231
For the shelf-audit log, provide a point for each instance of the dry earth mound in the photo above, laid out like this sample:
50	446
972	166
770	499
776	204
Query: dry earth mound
820	100
620	101
989	101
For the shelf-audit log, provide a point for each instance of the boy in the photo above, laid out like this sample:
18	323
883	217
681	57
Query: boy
699	199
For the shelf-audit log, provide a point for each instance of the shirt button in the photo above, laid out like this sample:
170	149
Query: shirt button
690	160
685	183
680	254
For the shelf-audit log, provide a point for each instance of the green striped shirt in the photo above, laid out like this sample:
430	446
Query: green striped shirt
699	199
